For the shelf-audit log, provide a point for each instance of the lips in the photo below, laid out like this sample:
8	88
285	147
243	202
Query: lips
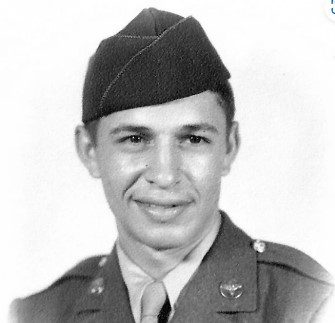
162	209
163	202
156	205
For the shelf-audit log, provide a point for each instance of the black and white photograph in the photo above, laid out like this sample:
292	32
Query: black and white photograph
167	161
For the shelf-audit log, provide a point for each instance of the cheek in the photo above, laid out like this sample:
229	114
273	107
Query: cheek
118	171
205	170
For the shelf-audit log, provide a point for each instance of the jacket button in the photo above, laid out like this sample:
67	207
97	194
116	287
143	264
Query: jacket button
231	290
259	246
97	286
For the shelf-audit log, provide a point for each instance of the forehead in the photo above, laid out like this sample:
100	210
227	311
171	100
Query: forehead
199	108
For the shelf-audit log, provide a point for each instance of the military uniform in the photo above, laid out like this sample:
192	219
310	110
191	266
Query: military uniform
239	280
160	57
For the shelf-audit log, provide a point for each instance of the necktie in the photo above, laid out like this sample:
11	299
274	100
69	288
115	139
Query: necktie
155	304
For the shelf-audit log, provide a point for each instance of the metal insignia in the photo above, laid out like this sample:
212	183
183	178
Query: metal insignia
259	246
231	290
97	286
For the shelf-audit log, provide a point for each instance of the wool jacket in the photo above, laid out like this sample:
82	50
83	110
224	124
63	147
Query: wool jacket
239	280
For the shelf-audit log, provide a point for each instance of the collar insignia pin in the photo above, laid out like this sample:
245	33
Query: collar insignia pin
97	286
231	290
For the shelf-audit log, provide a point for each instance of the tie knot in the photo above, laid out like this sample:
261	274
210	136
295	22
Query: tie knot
153	299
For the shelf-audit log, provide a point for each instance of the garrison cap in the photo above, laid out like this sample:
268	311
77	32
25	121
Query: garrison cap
158	57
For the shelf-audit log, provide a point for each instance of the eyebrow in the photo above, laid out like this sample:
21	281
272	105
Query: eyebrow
203	126
129	128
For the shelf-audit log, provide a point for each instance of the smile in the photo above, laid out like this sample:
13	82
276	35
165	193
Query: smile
152	205
162	211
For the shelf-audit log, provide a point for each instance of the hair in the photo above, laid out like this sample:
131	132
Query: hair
226	100
225	97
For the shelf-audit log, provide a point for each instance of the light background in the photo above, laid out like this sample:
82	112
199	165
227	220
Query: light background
281	55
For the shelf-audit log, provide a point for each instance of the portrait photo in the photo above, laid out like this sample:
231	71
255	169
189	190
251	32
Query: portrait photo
168	161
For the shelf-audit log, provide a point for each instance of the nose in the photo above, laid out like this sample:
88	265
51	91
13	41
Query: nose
163	168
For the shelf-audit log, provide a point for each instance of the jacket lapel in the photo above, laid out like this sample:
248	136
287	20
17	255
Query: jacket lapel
106	299
230	264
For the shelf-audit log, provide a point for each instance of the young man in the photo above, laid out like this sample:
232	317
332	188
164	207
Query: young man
159	131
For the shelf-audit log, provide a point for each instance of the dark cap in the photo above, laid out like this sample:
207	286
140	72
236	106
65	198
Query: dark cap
158	57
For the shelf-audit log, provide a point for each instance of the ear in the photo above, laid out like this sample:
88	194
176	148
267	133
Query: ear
86	150
233	145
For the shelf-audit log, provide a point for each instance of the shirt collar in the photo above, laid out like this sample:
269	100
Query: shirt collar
135	279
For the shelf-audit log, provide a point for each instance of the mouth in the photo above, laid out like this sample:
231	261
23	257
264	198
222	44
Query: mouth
162	211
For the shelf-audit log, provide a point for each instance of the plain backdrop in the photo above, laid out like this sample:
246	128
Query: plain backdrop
281	55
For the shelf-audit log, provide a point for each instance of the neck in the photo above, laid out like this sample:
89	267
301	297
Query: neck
157	262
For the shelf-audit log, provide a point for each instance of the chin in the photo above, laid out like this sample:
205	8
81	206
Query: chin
168	240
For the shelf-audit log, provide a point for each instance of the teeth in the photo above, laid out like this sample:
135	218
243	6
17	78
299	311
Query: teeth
160	206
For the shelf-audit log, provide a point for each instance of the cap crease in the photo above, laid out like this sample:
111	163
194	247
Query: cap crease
133	36
124	68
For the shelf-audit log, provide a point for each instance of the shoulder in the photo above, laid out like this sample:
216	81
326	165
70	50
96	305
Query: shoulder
290	259
292	280
50	302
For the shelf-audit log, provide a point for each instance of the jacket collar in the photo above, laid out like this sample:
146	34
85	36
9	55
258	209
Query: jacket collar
230	262
106	298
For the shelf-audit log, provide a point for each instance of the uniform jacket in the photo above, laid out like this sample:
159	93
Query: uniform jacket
239	280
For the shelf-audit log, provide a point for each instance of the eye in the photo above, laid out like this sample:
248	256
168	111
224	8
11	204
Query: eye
195	139
133	142
132	139
135	139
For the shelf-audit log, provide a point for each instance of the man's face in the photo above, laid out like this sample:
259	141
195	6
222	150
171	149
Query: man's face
161	168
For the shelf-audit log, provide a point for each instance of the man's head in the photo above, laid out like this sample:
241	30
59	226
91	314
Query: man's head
161	168
158	128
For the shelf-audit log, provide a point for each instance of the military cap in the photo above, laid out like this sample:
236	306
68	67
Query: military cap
158	57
